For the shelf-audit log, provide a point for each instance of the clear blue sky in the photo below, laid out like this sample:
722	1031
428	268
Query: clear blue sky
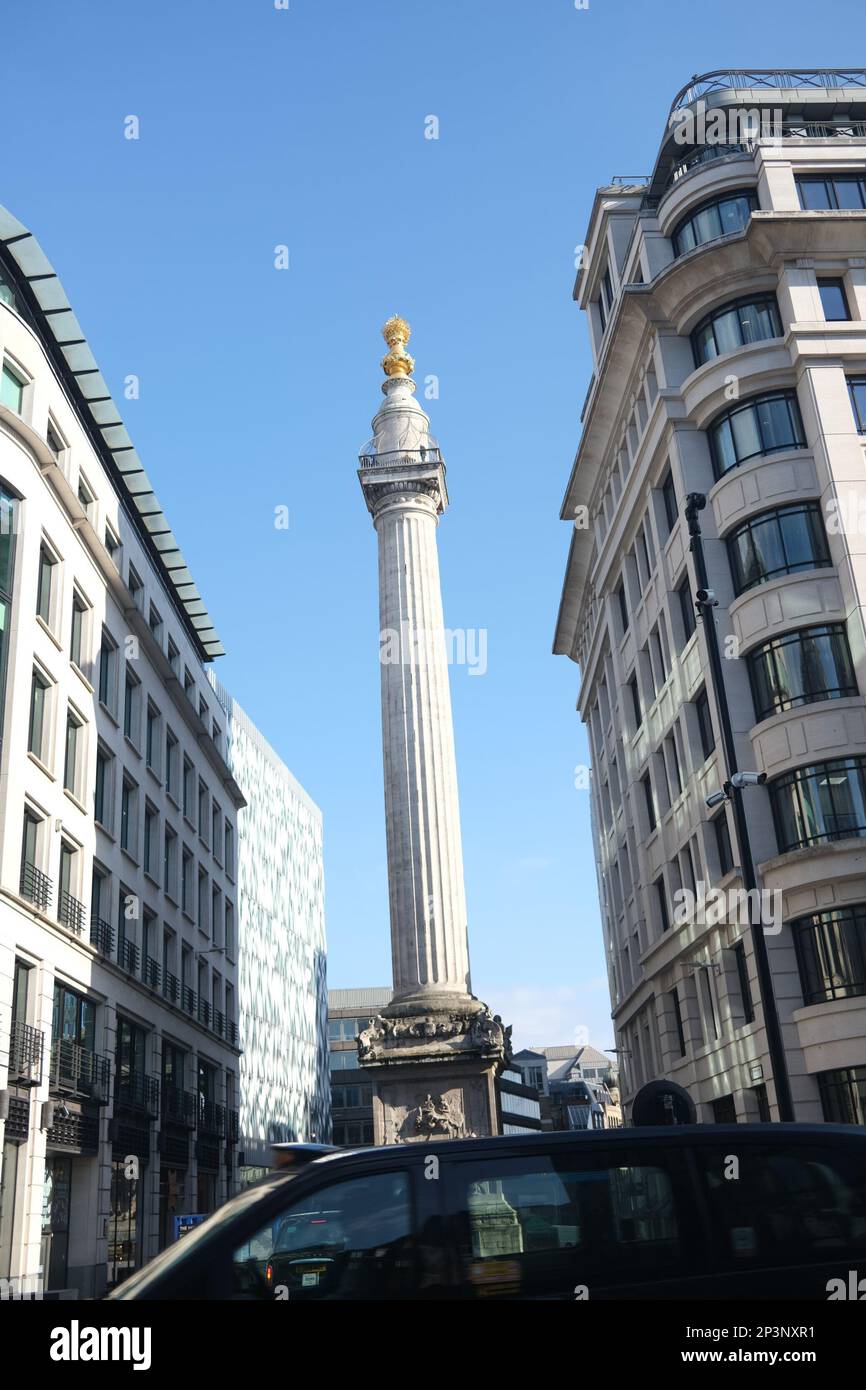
306	127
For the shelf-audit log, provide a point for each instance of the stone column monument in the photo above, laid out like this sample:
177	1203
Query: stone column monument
435	1051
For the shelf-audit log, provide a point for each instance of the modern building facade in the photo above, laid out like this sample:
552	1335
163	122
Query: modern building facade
282	991
577	1086
349	1013
119	1057
726	301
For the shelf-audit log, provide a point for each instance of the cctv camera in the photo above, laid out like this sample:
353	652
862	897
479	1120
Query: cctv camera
716	798
708	597
748	779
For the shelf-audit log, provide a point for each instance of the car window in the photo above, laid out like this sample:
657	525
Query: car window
351	1239
798	1205
544	1225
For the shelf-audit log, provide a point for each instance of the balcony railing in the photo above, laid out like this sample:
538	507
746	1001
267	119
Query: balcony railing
179	1106
151	972
77	1069
232	1126
36	886
70	912
137	1091
25	1054
189	1000
219	1022
127	955
211	1117
204	1012
102	935
171	987
231	1032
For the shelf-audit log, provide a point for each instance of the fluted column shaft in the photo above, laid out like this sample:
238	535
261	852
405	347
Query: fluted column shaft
425	858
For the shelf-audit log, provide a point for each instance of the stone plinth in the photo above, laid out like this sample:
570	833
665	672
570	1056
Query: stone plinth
434	1071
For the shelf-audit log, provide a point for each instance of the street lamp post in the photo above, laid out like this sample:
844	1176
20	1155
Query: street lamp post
705	602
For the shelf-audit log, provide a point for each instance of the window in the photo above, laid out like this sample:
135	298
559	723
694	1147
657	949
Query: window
131	707
45	584
762	1104
822	802
55	440
189	685
792	1206
744	982
73	760
831	192
723	843
216	915
857	391
128	817
831	953
635	702
724	1111
662	898
108	672
169	862
173	656
605	298
674	997
669	498
171	756
12	388
784	541
8	531
344	1061
349	1240
203	901
216	831
801	668
623	608
78	634
673	771
74	1019
753	428
34	884
188	789
687	609
186	881
39	703
716	218
86	498
833	299
203	818
708	1005
230	849
152	737
154	622
136	587
735	325
843	1095
151	839
649	801
616	1219
103	787
705	724
229	929
112	545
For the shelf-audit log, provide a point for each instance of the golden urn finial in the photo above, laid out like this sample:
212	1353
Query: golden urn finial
396	333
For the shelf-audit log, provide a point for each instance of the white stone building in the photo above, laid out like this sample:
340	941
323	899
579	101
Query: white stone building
118	826
282	991
726	302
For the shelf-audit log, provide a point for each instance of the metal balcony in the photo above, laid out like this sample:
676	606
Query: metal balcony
151	972
180	1106
134	1090
204	1012
232	1126
78	1070
211	1117
25	1054
171	987
101	935
36	886
70	913
231	1032
127	955
219	1022
189	1001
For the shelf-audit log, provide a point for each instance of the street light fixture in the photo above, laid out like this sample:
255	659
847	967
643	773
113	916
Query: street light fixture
705	602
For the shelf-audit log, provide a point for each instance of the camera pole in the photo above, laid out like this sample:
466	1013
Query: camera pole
695	503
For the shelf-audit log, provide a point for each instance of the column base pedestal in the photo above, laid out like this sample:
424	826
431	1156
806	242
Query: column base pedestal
433	1062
